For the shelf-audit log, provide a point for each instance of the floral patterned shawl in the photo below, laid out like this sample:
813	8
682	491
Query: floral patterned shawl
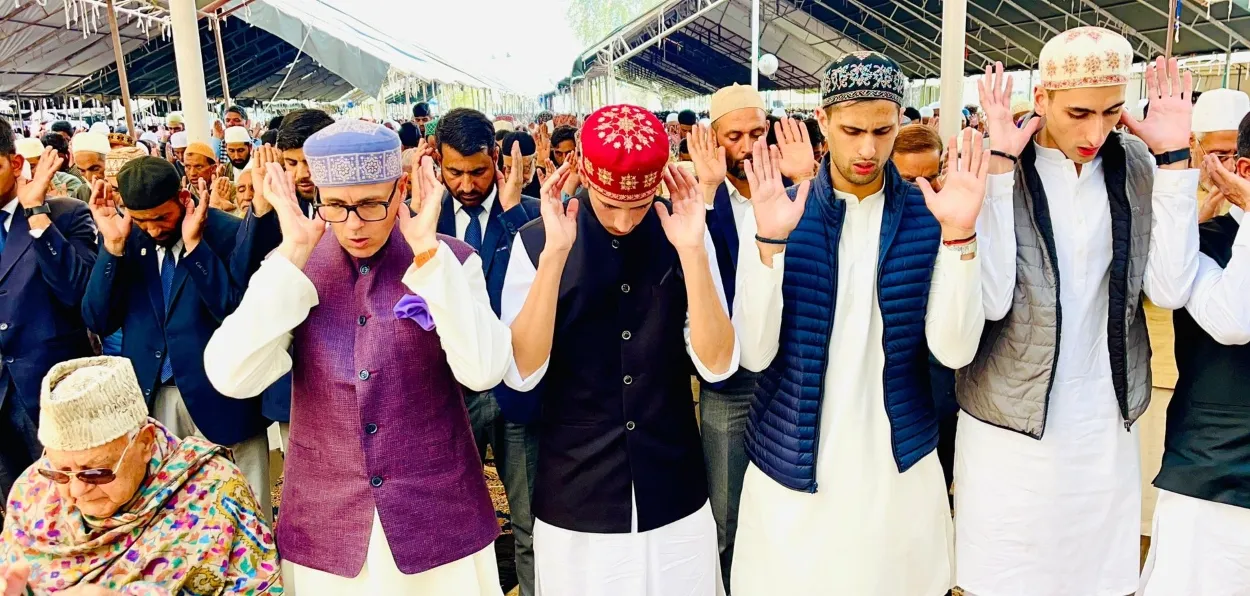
192	528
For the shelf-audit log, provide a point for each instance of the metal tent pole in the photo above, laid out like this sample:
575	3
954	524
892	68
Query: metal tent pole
755	44
221	62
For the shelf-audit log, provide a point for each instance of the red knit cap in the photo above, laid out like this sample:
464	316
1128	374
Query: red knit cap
624	150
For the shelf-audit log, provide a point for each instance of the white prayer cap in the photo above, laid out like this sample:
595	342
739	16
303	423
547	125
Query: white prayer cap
173	118
237	134
179	140
705	121
1220	109
926	112
150	137
779	113
504	125
1085	57
29	148
671	118
100	128
89	402
91	141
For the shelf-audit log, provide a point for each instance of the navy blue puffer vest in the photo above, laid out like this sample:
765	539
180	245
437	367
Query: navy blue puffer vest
783	427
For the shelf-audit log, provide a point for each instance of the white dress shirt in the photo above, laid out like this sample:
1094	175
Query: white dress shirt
249	351
1218	303
1061	515
161	252
11	209
867	529
516	287
462	216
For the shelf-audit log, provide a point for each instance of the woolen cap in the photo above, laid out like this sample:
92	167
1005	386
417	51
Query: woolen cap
734	97
1085	57
624	151
89	402
91	141
147	182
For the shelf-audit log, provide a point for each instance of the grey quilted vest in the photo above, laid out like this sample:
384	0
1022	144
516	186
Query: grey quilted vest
1008	383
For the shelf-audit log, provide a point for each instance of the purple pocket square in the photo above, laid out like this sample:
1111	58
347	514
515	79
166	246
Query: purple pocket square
414	307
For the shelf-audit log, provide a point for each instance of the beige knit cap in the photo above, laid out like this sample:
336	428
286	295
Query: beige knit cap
89	402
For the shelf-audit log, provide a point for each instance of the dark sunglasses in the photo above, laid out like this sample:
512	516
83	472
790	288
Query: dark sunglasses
97	476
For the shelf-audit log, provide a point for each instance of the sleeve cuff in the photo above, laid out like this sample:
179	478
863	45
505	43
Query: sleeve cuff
37	234
1184	182
513	377
1000	185
417	277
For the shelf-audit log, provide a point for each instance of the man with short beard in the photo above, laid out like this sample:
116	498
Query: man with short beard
297	126
738	121
1080	222
238	150
1217	115
842	297
89	152
486	210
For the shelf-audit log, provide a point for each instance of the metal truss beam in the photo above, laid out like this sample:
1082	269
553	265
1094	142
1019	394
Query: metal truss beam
932	68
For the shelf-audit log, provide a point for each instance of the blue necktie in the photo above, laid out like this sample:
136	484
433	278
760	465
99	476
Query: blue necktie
4	234
167	285
473	234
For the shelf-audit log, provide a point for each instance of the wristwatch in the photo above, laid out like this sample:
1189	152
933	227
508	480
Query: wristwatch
1171	157
965	248
43	209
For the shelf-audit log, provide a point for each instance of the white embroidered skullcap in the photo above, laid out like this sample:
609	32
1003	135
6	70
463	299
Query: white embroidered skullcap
1085	57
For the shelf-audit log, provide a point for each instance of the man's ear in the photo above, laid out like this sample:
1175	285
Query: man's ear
1242	167
16	162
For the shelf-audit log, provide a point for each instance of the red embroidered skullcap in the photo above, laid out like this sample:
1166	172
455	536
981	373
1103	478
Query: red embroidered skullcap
624	150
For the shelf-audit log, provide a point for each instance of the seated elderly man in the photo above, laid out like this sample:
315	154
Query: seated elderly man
118	506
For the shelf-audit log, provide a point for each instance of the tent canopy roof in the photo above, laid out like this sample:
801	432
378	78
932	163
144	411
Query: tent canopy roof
713	48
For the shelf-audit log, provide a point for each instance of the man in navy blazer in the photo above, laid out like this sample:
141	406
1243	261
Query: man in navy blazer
47	248
162	276
485	209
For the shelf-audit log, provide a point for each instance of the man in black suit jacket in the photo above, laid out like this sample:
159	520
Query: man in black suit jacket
485	209
47	248
162	277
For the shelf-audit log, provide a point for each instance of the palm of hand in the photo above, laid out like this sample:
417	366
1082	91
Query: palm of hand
797	159
1168	124
560	229
685	226
710	168
959	201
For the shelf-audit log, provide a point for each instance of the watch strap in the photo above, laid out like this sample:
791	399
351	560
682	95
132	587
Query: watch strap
43	209
1171	157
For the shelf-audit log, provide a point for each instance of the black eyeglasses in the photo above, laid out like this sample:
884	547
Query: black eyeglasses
96	476
367	212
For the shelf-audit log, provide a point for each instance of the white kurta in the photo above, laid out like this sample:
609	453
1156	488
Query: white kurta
678	559
1060	516
249	352
1202	547
868	529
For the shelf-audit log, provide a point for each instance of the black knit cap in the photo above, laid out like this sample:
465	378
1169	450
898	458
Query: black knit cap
687	117
860	76
147	183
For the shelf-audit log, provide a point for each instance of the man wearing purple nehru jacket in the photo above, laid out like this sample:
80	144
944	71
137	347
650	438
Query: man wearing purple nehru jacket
384	489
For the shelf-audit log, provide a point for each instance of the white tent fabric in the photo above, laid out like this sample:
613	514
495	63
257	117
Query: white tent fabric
349	46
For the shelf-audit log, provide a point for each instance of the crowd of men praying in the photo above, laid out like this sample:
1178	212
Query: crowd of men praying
919	361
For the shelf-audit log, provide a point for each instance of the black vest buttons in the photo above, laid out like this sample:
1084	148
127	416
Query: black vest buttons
364	375
629	425
616	243
158	354
625	335
628	380
364	269
371	428
4	326
376	481
361	320
625	288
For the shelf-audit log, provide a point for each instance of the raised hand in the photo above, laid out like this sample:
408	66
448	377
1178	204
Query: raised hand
222	194
510	184
421	230
264	155
708	156
559	220
957	205
1233	188
300	234
113	225
219	130
775	214
686	226
995	90
1167	126
193	221
798	159
32	193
